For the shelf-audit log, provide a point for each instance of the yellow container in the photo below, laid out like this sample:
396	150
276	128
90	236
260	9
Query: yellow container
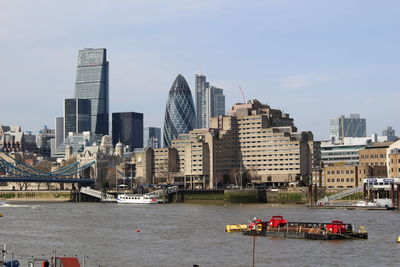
398	239
235	228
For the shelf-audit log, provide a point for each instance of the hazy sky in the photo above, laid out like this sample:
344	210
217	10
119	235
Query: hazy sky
313	59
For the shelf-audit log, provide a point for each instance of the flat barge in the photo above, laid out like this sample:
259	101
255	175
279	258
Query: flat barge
278	227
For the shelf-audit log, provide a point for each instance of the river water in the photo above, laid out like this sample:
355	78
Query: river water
188	234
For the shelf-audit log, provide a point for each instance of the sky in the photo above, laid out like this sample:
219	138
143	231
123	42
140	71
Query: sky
315	60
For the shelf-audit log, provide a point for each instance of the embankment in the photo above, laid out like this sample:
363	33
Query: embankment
59	196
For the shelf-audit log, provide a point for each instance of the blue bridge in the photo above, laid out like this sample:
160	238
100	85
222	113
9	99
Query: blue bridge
20	172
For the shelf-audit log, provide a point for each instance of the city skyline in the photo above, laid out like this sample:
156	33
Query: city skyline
277	54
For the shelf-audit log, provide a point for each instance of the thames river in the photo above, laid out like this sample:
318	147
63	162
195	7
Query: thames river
188	234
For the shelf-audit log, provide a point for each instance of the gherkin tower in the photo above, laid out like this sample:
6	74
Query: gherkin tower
179	113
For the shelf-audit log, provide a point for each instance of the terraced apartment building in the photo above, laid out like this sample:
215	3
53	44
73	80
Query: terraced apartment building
254	141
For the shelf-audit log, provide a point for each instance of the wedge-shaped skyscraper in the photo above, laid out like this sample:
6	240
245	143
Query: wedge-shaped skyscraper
92	83
179	113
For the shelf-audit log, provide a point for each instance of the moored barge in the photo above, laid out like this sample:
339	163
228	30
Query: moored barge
279	227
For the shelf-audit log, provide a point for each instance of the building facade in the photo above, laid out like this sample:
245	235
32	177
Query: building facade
210	102
253	143
152	137
44	141
354	126
77	118
13	139
390	133
393	160
92	83
341	176
127	128
346	150
180	116
59	131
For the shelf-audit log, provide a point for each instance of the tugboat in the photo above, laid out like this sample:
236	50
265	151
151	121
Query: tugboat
277	226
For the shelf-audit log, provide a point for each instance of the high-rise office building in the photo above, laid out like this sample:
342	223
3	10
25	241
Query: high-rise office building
353	126
390	133
179	112
152	137
77	117
127	128
59	131
210	102
92	83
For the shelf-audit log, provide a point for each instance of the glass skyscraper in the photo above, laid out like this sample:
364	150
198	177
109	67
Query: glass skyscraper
353	126
92	83
76	115
210	102
127	128
179	112
152	137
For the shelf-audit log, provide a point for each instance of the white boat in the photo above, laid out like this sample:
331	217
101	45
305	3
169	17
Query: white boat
136	199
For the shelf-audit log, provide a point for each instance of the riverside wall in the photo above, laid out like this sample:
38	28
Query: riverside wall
58	195
282	196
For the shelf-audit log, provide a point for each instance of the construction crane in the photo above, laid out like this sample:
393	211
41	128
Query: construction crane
244	98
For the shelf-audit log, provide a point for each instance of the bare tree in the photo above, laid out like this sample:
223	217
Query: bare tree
164	170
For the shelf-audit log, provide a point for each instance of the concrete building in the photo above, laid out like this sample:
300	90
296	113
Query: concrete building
152	137
341	176
393	160
253	143
44	141
127	128
374	154
353	126
59	131
78	142
164	166
210	102
92	83
13	139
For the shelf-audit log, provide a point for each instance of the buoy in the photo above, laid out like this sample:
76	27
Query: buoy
398	239
137	230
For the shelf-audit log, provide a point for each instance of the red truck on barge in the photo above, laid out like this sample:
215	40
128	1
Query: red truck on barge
277	226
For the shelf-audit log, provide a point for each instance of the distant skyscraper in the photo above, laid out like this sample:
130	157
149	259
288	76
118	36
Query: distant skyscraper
92	83
76	116
390	133
152	137
127	128
353	126
59	131
179	112
210	102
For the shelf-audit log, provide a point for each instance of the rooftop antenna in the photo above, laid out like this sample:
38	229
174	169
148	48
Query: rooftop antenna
241	92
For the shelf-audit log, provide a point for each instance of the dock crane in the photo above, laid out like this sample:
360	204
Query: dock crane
241	92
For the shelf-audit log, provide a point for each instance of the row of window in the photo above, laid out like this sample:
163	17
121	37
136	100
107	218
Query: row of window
376	156
338	180
340	172
271	155
339	186
277	169
263	160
